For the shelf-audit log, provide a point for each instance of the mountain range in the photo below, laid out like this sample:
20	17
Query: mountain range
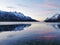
54	18
14	16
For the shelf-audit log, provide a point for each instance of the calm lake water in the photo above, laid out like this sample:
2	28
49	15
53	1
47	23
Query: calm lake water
30	33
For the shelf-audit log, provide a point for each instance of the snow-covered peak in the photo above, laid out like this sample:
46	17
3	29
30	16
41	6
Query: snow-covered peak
18	14
14	16
55	16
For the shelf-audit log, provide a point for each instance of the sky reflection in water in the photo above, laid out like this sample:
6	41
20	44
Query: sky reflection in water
30	34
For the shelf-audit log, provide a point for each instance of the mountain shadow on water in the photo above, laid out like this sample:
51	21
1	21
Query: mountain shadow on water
13	27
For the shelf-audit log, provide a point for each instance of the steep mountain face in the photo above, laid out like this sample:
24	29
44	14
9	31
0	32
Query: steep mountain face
14	16
55	18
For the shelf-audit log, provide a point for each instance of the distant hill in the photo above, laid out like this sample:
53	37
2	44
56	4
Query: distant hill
55	18
14	16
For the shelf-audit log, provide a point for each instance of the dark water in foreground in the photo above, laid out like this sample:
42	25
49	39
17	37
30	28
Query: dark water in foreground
34	33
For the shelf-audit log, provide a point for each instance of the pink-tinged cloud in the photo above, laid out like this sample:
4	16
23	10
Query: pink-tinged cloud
48	4
53	5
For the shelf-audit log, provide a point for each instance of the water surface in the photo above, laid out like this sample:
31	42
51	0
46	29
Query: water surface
30	33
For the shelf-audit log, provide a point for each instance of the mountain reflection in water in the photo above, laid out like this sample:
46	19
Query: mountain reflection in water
56	26
15	27
37	34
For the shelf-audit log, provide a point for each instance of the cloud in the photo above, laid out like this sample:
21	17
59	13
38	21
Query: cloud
50	4
53	3
10	7
17	6
22	5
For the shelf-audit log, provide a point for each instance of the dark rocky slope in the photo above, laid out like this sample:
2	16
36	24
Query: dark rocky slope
14	16
55	18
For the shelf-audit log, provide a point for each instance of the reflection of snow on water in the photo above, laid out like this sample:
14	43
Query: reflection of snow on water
43	32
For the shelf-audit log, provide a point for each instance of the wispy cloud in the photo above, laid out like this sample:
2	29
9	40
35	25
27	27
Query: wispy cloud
53	3
22	5
49	4
10	7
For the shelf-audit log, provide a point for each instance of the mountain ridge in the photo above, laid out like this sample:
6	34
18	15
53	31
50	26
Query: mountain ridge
54	18
14	16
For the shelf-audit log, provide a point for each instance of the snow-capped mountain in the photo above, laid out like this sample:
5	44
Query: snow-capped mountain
14	16
55	18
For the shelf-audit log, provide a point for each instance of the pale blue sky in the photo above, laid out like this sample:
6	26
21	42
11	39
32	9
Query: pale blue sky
37	9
